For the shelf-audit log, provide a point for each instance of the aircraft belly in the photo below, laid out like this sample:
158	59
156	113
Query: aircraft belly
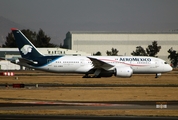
83	69
146	69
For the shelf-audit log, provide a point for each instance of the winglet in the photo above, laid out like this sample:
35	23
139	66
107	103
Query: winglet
14	29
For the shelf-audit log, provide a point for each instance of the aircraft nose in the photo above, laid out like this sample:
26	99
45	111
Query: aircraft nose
169	68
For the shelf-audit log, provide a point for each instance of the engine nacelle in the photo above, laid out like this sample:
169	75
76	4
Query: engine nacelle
123	72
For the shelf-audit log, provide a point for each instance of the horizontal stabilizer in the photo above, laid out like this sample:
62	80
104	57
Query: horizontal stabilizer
2	58
25	61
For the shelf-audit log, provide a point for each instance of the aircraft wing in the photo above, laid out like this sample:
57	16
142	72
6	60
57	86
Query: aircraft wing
100	64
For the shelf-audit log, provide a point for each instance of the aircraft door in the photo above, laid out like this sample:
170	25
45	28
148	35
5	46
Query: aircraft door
48	61
156	63
81	62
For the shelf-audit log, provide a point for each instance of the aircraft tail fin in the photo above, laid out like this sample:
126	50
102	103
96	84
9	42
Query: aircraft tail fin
26	48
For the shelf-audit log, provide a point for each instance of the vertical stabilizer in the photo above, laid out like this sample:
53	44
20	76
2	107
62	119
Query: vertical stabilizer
26	48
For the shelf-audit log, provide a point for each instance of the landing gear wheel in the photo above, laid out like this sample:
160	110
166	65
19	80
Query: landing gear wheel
86	76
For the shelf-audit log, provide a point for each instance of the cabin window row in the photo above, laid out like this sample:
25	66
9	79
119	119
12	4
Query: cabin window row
67	61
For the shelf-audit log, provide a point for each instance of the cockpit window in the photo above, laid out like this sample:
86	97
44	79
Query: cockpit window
165	62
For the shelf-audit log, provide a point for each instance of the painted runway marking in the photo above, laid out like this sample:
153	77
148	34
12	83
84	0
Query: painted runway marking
76	103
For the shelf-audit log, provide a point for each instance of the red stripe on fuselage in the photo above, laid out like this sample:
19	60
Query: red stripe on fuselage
122	62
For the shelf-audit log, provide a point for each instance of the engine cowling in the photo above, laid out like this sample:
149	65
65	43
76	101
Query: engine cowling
123	72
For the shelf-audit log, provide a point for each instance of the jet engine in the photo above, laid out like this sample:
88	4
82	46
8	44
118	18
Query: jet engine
123	72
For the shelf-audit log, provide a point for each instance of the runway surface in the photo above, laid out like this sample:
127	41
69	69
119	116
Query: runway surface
41	105
63	117
89	105
82	106
91	85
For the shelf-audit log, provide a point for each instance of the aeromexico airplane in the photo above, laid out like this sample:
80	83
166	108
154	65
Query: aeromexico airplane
98	66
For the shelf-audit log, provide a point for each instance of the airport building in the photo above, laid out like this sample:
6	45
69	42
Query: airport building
124	42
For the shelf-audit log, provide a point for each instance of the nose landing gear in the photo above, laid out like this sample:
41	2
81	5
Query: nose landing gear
157	75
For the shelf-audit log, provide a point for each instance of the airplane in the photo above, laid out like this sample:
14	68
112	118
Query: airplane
98	66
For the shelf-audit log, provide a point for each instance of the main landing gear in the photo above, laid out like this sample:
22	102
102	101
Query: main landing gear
87	76
96	74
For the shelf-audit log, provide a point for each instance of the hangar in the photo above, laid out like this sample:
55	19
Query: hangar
124	42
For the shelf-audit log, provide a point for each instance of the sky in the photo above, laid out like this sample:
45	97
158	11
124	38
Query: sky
57	17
